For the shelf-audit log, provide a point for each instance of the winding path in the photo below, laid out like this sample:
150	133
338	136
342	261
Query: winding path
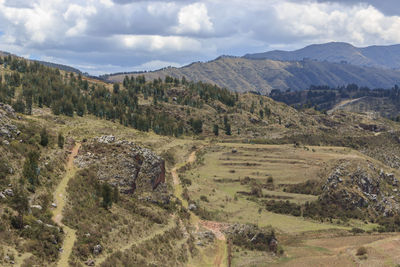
60	199
215	227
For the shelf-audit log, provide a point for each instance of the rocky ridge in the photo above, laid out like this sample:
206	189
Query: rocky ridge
7	128
365	187
123	164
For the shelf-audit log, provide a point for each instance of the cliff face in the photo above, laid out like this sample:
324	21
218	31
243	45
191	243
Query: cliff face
123	164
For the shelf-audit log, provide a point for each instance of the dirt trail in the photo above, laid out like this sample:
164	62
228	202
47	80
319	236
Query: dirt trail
60	200
215	227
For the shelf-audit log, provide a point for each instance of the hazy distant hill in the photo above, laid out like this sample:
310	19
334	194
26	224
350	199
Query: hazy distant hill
49	64
241	74
59	66
373	56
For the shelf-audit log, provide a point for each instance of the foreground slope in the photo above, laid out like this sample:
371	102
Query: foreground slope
221	178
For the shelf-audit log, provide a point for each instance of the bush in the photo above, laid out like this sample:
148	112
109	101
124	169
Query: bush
361	251
204	198
44	137
60	140
356	230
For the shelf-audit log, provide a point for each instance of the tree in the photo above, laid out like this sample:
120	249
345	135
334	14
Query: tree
216	129
60	140
197	126
30	169
44	137
116	88
106	193
20	203
80	109
228	129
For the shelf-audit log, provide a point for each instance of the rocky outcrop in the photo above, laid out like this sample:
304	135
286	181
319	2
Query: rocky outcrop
363	187
123	164
7	128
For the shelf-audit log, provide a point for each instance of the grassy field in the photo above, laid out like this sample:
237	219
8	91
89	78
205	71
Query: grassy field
219	175
225	167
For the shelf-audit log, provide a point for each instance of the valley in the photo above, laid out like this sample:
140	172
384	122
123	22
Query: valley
175	173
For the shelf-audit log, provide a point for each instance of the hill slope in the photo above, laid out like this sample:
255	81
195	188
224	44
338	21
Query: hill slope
241	74
372	56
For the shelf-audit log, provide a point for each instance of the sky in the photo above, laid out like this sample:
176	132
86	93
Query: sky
108	36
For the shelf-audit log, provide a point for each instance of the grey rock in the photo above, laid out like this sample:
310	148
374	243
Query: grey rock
97	249
106	139
192	207
90	262
36	207
9	192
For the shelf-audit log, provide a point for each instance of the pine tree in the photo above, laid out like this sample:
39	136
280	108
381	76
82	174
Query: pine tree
107	196
216	130
60	140
30	169
44	137
228	129
20	203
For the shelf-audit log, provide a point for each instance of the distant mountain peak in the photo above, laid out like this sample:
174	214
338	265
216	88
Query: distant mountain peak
339	52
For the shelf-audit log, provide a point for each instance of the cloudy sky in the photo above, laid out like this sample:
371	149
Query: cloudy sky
104	36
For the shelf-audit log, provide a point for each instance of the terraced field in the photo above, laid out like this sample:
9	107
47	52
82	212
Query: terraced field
227	169
223	175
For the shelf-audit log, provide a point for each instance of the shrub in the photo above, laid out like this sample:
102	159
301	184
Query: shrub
60	141
361	251
356	230
44	137
204	198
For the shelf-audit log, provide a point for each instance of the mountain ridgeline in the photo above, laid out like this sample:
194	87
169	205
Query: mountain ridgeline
264	75
371	56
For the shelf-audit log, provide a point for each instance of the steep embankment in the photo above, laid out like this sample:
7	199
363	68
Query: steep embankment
241	74
60	199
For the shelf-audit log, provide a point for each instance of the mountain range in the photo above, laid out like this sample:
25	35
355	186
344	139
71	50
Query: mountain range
371	56
242	74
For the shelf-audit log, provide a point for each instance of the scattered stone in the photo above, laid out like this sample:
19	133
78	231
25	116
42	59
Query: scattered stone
6	143
36	207
9	192
192	207
97	249
90	262
54	205
2	196
106	139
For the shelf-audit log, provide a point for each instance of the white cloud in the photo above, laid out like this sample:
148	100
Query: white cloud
160	43
194	19
118	32
361	24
